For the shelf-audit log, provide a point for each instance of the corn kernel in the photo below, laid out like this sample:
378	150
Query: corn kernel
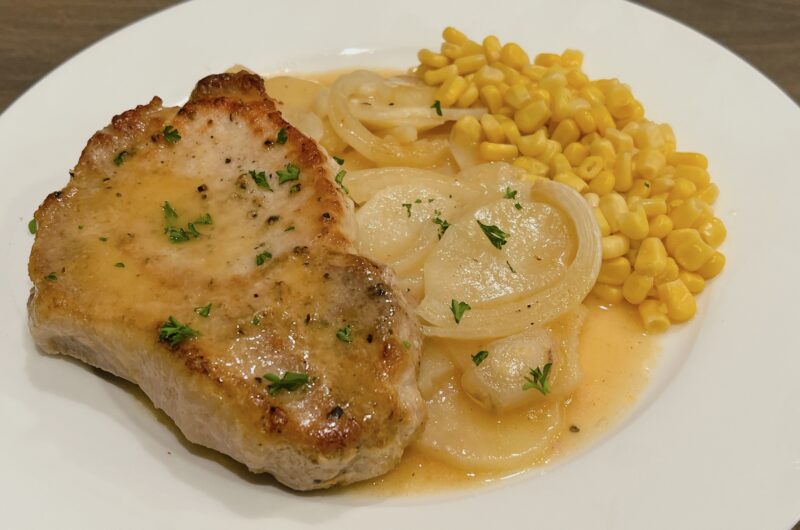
451	34
491	129
471	47
576	153
679	237
604	149
603	183
636	287
691	255
615	246
652	257
649	162
602	118
468	97
547	59
610	294
639	190
661	185
648	135
660	226
495	152
514	56
440	75
713	266
560	164
681	305
517	96
623	174
492	97
452	51
592	199
432	59
602	223
709	194
531	165
653	207
590	138
551	149
491	47
634	223
655	320
572	58
510	131
590	167
593	95
682	158
670	272
448	93
614	271
510	75
532	116
613	206
693	281
467	130
697	175
682	189
632	252
487	75
622	142
713	231
566	132
470	63
585	121
571	180
533	144
576	78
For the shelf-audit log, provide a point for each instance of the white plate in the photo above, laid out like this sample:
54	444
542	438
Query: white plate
714	443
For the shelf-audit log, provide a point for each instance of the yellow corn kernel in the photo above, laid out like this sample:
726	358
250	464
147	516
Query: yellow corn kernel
693	281
531	165
709	194
560	164
697	175
640	190
622	142
611	294
689	212
604	149
572	58
517	96
692	255
603	183
590	138
468	97
554	80
470	63
648	135
713	266
680	236
551	149
440	75
541	94
592	199
602	223
491	47
492	97
533	144
571	180
617	98
514	56
669	136
615	246
510	131
487	75
670	272
495	152
634	223
660	226
452	51
576	79
471	47
532	116
683	158
632	253
590	167
713	231
467	130
623	174
648	163
492	129
636	287
653	207
652	257
566	133
576	153
661	185
510	75
614	271
585	121
655	320
451	34
682	189
602	118
680	303
432	59
534	72
506	111
547	59
561	104
613	206
448	93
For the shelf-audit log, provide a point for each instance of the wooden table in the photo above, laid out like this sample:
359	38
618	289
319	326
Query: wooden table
38	35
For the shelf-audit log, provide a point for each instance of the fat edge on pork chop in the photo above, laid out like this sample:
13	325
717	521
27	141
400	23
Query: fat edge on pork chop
206	254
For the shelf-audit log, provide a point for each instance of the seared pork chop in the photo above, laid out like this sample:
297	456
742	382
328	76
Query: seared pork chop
205	253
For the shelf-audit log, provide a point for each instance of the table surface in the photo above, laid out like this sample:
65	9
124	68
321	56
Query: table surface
38	35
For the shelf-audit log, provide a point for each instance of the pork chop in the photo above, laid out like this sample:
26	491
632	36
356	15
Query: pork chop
205	253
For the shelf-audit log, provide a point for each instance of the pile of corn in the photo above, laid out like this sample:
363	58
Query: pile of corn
653	204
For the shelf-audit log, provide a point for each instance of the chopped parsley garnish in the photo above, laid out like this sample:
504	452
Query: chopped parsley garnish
407	206
510	194
345	334
263	257
272	219
295	188
171	134
193	231
204	219
340	180
458	309
289	228
32	226
538	379
518	206
177	235
292	172
289	381
438	106
119	265
479	357
260	178
169	211
338	160
121	157
51	277
80	227
256	320
174	332
418	201
510	267
103	238
203	311
496	237
406	345
443	224
282	137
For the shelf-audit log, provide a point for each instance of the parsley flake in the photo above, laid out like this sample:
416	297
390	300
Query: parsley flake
169	211
176	234
510	194
510	267
174	332
289	228
291	172
121	157
443	224
338	160
340	180
103	238
496	237
518	206
538	379
282	137
479	357
204	219
295	188
171	134
438	106
119	265
289	381
407	206
203	311
51	277
260	178
458	309
32	226
406	345
263	257
345	334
